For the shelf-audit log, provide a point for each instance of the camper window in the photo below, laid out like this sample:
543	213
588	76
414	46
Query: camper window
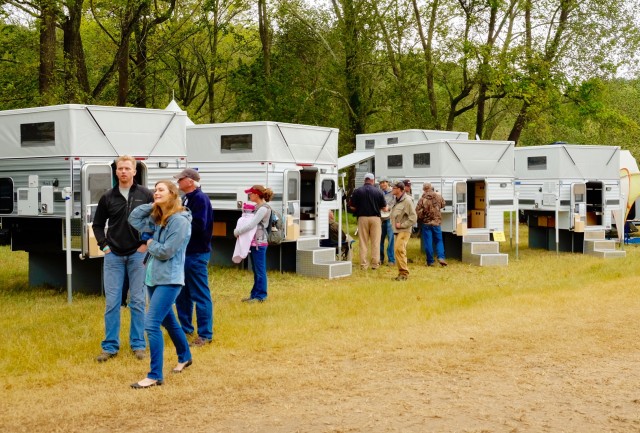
328	190
537	163
369	144
37	134
292	189
236	143
421	160
392	140
394	161
6	195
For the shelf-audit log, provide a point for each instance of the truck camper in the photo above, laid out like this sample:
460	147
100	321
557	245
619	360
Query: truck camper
51	156
568	194
298	162
475	178
364	155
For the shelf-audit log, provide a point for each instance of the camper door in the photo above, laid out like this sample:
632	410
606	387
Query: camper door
459	206
96	179
291	196
578	206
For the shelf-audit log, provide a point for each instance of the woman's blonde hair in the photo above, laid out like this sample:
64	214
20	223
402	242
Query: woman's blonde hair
161	213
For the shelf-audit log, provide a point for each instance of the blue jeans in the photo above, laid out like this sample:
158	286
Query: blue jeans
196	290
259	267
115	269
161	300
429	234
387	232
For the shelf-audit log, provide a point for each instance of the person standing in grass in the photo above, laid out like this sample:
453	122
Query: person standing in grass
124	253
196	285
170	224
367	202
387	230
259	195
403	217
429	210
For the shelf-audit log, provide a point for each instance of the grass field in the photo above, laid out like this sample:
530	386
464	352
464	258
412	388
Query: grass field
547	344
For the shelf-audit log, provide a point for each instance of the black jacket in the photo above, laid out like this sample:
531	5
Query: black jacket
121	237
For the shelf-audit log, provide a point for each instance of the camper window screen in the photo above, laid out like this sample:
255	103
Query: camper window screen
38	134
421	160
392	140
236	143
394	161
369	144
537	163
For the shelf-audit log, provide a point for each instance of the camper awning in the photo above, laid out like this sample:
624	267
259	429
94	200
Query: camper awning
354	158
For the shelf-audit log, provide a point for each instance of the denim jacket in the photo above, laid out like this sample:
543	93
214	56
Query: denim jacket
169	246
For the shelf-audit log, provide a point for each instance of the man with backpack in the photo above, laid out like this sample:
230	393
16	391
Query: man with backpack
429	213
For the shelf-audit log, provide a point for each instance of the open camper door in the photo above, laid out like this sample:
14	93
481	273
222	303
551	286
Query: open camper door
578	206
459	206
95	179
291	197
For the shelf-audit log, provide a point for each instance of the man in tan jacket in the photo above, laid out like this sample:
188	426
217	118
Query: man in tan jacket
403	217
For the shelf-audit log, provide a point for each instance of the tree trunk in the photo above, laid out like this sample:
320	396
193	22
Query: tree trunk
265	36
46	78
427	47
75	69
123	71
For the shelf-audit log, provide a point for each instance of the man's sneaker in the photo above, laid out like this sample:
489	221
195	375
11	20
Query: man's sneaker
442	262
140	353
199	342
105	356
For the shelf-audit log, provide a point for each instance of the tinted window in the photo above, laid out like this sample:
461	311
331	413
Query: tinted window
394	161
392	140
236	143
292	189
537	163
37	134
421	160
6	195
369	144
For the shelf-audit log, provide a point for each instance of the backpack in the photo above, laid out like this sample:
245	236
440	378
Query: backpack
275	230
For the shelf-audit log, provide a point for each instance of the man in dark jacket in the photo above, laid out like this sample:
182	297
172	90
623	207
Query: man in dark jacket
124	256
367	202
196	276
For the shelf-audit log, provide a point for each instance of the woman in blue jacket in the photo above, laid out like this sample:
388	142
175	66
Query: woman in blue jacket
170	224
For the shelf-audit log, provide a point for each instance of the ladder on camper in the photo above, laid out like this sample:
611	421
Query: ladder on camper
313	260
595	244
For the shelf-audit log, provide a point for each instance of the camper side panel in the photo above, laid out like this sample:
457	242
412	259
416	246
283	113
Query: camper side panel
49	172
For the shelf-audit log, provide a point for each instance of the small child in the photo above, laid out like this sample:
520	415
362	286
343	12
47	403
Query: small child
243	243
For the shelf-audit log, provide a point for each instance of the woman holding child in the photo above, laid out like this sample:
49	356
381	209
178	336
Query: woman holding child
259	195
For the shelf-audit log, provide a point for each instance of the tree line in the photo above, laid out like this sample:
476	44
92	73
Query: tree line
529	71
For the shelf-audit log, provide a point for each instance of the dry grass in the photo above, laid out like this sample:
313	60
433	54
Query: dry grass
549	343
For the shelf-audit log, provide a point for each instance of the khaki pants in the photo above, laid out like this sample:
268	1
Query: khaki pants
369	232
400	250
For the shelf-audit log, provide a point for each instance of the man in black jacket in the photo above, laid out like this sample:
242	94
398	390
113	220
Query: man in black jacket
124	256
367	202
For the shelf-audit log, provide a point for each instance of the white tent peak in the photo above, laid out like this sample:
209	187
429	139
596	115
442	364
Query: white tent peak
173	106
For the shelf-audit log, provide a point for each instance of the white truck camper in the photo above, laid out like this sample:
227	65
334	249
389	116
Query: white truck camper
568	194
51	156
475	178
364	155
298	162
